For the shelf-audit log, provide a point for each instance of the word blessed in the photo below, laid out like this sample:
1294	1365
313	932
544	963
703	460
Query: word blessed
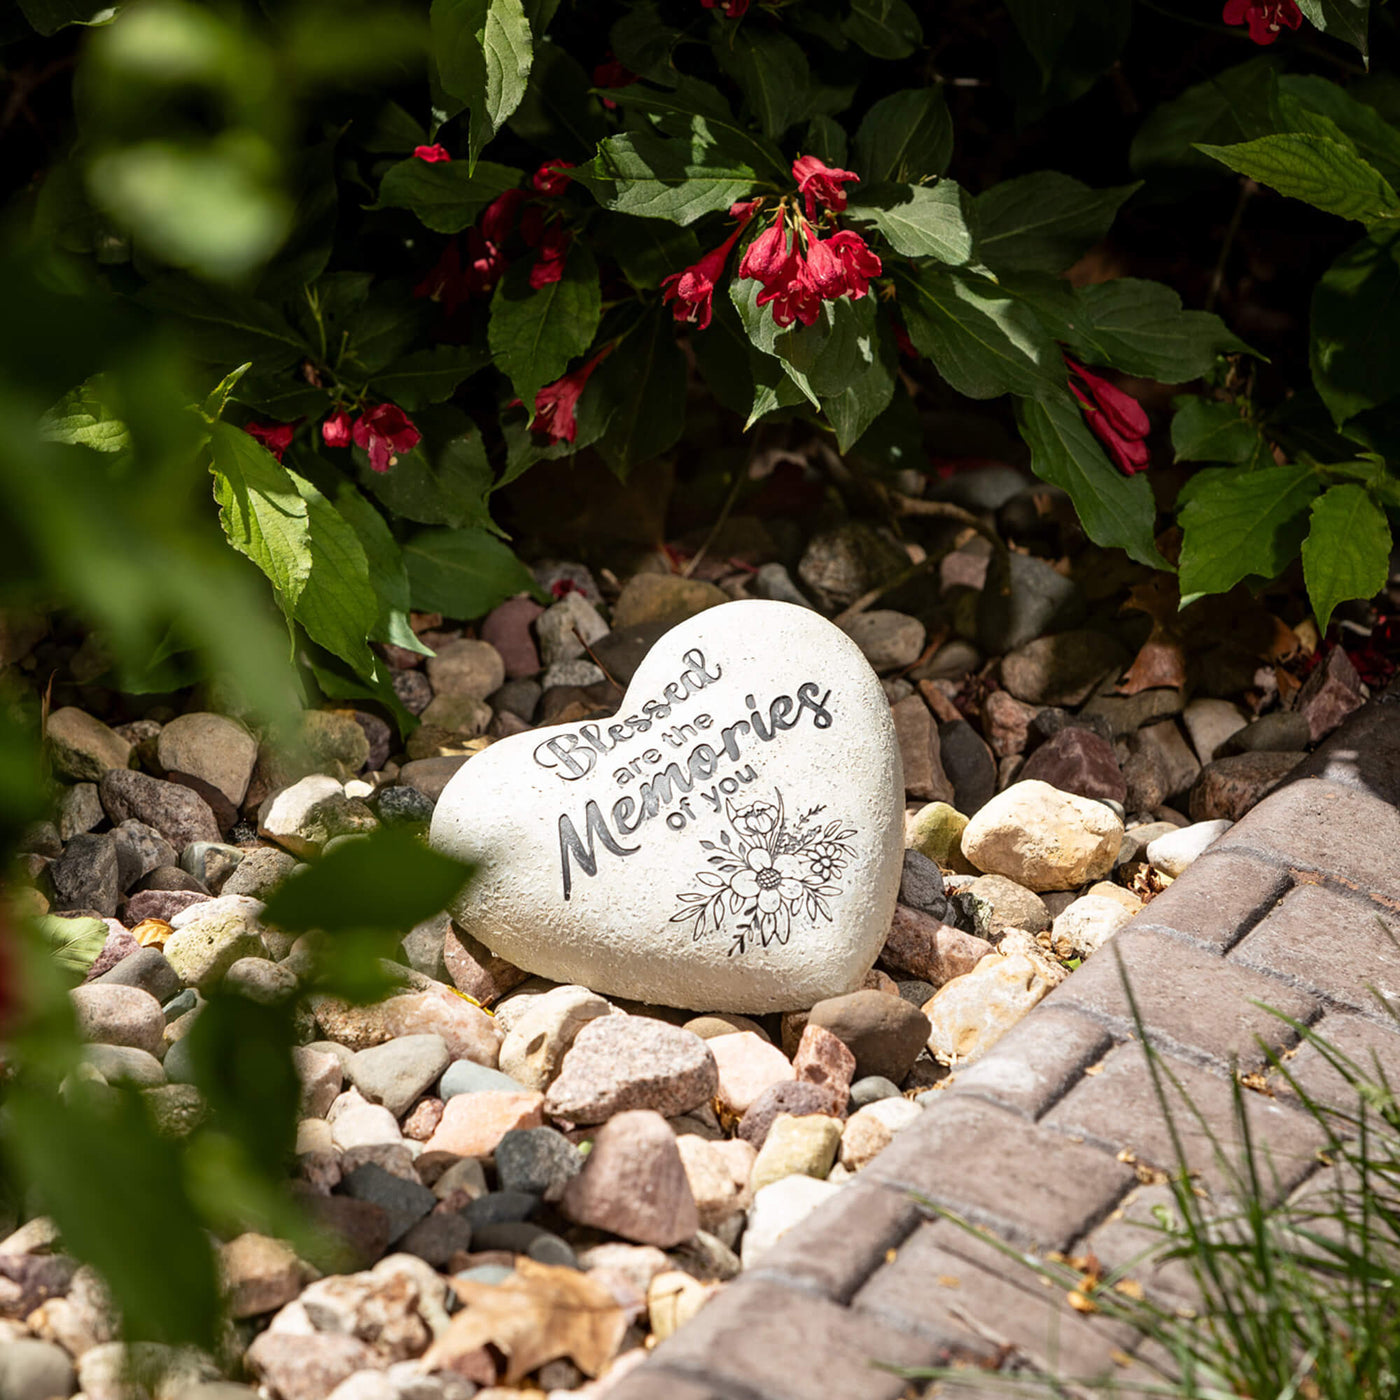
572	756
662	789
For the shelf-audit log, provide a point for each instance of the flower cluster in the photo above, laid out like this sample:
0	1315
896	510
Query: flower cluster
1265	18
1118	420
383	431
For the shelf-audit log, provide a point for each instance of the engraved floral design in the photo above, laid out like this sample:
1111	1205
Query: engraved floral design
766	870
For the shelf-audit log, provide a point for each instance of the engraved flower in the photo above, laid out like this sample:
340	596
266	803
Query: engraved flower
825	860
772	881
756	821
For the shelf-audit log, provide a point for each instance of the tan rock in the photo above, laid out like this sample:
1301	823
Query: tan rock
971	1013
83	748
1043	838
472	1124
717	1195
663	598
747	1066
871	1129
259	1274
804	1146
535	1045
673	1298
1087	924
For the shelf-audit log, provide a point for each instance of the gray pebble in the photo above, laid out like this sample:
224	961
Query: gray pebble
520	1237
500	1208
468	1077
874	1087
538	1160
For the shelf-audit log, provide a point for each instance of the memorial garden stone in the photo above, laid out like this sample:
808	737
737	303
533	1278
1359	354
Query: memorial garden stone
732	840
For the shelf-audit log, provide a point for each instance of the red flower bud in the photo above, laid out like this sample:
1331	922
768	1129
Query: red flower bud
335	429
276	437
554	248
499	219
556	403
612	74
692	290
733	9
383	432
820	184
765	258
1129	452
856	258
550	179
1127	415
1264	17
824	272
431	154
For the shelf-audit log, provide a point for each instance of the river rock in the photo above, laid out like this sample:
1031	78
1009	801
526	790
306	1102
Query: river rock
889	640
1172	852
731	841
1084	926
215	750
1077	761
178	813
1061	669
1229	787
971	1013
83	748
1332	692
1043	838
1210	723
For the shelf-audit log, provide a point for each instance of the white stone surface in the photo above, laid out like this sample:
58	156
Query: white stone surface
1174	851
968	1015
780	1207
590	838
1084	926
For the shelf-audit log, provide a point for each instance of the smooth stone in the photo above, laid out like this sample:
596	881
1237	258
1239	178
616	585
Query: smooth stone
916	733
872	1089
926	947
124	1064
1284	731
1042	838
1173	852
883	1032
535	1044
1061	669
1080	762
286	816
259	1274
399	1072
1165	741
797	1097
468	1077
971	1013
566	626
31	1369
473	1124
537	811
633	1183
1211	723
87	875
211	862
178	813
803	1146
146	968
1087	924
724	1023
1024	598
111	1014
81	747
840	565
79	810
664	598
871	1129
430	776
202	950
211	748
936	832
772	581
719	1195
538	1160
888	640
1229	787
951	662
617	1063
747	1066
259	873
466	668
779	1208
507	628
969	764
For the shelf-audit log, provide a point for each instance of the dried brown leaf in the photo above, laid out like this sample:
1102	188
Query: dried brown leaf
541	1312
152	933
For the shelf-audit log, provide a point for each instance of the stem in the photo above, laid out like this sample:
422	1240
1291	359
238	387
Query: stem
1217	278
740	477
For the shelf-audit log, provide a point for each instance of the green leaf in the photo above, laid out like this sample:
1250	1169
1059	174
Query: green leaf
1347	552
447	196
216	401
559	112
388	575
771	71
432	485
263	514
1342	19
1043	222
654	178
865	363
723	354
1117	511
534	334
1240	523
49	16
72	943
1205	430
981	340
1375	139
224	327
919	221
825	138
642	386
883	28
337	605
83	417
648	250
1140	328
483	50
1355	338
905	137
388	882
429	376
643	42
1320	172
1228	107
1043	28
764	334
462	573
774	388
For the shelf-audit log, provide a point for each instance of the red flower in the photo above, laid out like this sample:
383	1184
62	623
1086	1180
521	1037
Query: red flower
693	288
550	179
431	154
733	9
555	403
554	248
765	257
1264	17
1117	419
384	432
485	264
499	218
824	272
858	261
820	184
335	429
611	74
276	437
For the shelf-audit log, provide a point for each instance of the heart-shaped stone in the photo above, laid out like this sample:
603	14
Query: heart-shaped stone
731	840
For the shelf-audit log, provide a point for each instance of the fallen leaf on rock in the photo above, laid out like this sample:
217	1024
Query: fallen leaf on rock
152	933
1161	662
538	1314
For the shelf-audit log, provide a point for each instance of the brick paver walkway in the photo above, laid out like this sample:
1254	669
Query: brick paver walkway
1039	1140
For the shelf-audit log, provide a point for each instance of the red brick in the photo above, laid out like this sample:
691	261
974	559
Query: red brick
784	1345
1119	1109
1334	944
1218	899
1035	1187
844	1241
1347	833
1190	1001
934	1287
1034	1063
